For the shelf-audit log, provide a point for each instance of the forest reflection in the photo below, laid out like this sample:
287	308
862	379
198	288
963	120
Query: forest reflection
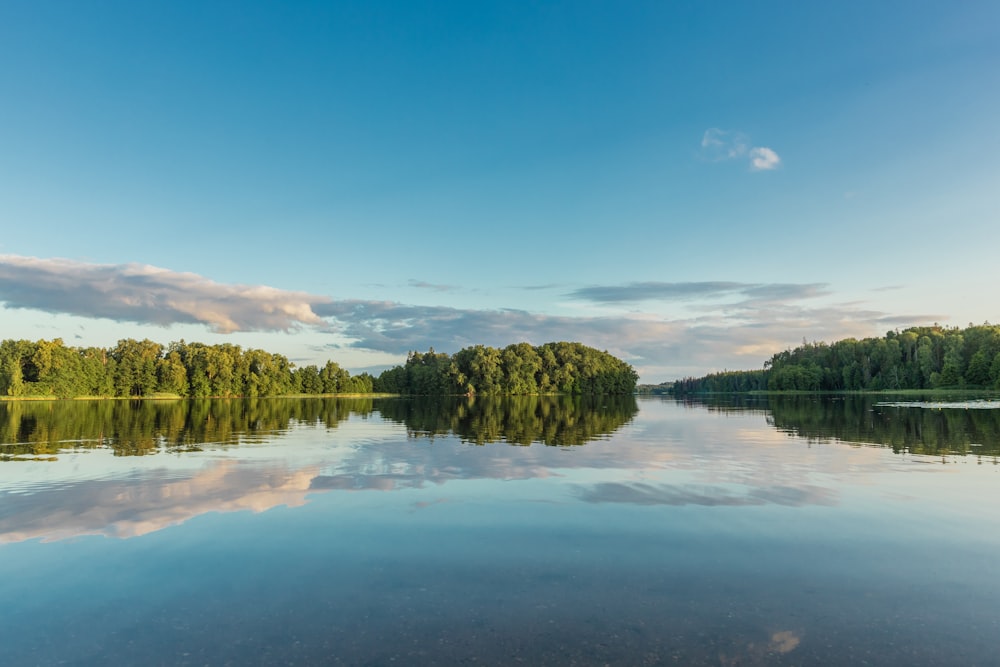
40	429
516	420
135	428
860	419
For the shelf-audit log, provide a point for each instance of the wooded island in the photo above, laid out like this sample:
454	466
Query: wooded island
50	369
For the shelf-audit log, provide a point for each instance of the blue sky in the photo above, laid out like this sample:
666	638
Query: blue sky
692	186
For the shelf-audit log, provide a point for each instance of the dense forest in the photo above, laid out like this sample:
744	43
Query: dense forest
567	368
49	368
917	358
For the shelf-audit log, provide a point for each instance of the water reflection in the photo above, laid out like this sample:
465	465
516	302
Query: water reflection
136	428
41	429
914	428
140	504
233	455
696	534
86	467
516	420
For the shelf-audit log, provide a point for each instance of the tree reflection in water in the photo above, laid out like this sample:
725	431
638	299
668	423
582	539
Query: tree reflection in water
910	426
135	428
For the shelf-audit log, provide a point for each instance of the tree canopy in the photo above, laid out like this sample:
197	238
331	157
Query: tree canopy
132	368
566	368
916	358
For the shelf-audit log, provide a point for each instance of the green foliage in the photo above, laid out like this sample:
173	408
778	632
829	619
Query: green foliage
918	358
136	369
359	384
333	378
13	354
519	369
725	382
661	389
135	366
307	380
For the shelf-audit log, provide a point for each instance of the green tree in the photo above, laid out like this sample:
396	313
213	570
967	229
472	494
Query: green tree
520	363
308	380
171	376
954	362
12	353
333	378
135	369
978	373
925	360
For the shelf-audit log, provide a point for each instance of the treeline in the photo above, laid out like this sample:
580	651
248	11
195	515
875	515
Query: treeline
567	368
655	389
49	368
917	358
724	382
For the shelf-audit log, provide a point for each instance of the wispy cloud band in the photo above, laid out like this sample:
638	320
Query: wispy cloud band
680	291
150	295
733	325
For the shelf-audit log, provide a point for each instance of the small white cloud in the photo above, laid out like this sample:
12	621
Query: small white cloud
763	159
719	145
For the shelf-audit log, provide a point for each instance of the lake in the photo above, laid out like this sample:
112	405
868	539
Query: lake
797	530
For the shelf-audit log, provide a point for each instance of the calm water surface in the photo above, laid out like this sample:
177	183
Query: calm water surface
800	531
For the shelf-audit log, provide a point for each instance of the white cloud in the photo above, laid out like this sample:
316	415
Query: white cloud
763	159
150	295
719	145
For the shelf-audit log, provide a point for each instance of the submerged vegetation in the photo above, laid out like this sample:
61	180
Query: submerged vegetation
51	369
917	358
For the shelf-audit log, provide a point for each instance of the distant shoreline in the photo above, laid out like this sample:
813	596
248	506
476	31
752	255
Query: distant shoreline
15	399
